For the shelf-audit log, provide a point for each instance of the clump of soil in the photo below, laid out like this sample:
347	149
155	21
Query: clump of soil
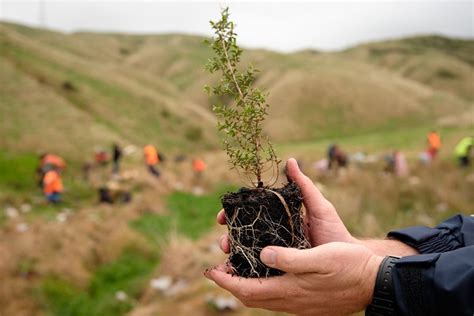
262	217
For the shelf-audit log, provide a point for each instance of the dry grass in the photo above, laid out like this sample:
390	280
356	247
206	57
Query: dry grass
372	203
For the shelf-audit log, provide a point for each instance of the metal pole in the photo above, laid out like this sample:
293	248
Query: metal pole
42	13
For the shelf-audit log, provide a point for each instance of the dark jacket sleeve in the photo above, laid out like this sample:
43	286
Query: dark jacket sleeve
454	233
435	284
440	281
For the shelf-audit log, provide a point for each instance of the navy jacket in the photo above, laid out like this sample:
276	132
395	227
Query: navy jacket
439	281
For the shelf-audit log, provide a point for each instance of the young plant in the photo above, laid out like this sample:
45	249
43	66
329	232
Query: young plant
261	216
241	124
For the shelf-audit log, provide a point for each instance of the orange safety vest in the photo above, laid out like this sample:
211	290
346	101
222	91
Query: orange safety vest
151	155
54	160
199	165
52	182
434	140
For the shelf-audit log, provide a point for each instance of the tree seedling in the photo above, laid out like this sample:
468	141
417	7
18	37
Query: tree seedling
259	216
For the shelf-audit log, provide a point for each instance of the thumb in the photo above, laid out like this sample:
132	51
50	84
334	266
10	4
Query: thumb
291	260
312	198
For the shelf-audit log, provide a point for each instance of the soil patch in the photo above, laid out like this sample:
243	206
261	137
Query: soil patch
257	218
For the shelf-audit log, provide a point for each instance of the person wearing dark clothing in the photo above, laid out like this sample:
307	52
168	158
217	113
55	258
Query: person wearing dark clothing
116	156
416	271
336	157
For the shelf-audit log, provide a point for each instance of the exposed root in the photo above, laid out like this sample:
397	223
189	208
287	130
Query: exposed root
259	218
290	221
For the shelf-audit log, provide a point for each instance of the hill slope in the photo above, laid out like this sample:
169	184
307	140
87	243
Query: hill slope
139	89
439	62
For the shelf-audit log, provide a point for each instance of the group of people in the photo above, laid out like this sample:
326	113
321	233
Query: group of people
51	167
396	161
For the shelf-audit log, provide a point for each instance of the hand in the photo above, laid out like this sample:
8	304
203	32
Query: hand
322	221
332	279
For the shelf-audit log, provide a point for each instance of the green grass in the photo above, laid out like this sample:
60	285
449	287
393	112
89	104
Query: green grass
190	215
153	226
128	273
17	172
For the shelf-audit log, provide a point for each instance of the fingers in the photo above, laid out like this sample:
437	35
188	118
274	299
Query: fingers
224	239
247	289
313	199
221	217
224	243
295	260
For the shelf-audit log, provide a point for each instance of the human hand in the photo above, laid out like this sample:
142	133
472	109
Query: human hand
322	221
333	279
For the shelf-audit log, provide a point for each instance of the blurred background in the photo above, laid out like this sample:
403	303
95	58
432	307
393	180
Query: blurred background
111	171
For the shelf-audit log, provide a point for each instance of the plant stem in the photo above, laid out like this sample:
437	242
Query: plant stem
229	66
256	138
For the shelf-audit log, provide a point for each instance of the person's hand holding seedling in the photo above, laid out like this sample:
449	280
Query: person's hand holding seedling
322	222
335	277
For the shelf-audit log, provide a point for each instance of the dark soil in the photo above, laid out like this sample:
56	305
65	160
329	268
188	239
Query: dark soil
257	218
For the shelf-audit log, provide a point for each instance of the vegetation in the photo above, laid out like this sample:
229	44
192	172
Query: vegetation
17	172
127	274
241	124
189	215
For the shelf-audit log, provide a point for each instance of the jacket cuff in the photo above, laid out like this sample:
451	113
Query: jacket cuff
427	240
412	278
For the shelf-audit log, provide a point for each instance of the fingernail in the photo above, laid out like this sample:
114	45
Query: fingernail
207	273
268	256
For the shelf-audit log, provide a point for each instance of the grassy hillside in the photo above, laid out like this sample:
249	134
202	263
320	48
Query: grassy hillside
438	62
139	89
57	99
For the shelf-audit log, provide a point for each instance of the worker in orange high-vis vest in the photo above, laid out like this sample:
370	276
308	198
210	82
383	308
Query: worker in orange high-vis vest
198	167
52	185
434	144
151	159
47	162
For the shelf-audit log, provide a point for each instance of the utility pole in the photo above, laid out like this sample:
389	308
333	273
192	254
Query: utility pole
42	13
